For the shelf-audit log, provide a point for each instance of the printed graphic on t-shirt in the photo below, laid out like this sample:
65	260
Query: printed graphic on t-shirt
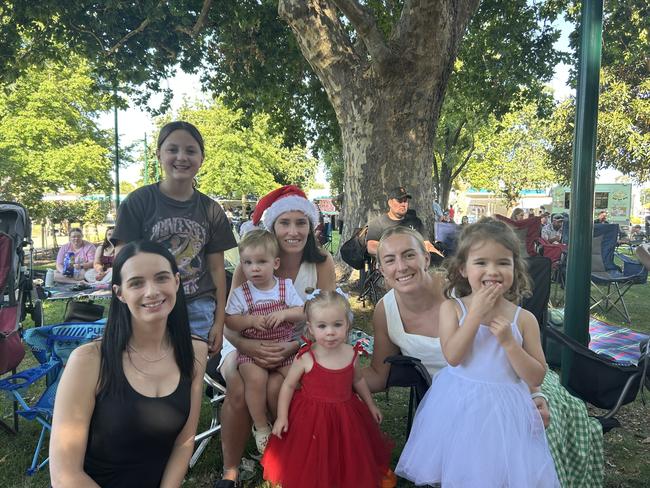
184	238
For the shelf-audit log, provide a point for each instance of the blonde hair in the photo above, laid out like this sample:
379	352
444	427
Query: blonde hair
329	298
487	229
401	230
260	238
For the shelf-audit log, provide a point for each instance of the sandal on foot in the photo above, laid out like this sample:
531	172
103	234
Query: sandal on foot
262	437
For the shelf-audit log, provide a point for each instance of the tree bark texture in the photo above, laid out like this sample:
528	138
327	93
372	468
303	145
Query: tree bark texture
387	92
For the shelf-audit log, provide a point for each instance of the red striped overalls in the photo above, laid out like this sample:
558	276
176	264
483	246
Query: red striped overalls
282	333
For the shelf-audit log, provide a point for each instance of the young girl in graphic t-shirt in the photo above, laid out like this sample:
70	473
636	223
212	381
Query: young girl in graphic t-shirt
190	224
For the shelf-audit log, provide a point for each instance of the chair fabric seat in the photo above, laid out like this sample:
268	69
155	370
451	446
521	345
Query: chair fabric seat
52	346
604	277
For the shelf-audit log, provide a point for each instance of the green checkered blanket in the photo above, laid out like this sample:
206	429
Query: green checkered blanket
575	439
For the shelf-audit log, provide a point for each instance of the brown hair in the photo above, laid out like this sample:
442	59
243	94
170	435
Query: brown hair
260	238
180	125
487	229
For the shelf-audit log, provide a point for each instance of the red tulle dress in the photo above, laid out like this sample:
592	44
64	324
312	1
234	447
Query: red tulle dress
332	440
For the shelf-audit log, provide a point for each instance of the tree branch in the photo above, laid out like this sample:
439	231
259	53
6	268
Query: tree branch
458	131
91	33
323	42
365	24
465	161
200	22
143	25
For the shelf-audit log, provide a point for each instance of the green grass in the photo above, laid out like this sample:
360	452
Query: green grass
627	449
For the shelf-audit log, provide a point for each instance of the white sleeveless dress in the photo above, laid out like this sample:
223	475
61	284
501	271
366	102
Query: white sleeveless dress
426	349
477	426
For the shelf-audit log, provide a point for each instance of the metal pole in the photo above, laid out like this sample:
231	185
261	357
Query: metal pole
146	161
117	151
578	283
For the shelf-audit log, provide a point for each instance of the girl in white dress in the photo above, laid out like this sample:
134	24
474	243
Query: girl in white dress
477	425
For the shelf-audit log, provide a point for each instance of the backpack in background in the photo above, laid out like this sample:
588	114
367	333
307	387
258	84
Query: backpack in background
353	251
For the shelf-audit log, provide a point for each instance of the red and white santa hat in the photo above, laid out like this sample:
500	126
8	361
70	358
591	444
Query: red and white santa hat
284	199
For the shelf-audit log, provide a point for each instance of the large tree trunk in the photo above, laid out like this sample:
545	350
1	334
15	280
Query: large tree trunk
387	94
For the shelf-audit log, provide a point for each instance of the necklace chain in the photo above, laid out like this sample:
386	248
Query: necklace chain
145	358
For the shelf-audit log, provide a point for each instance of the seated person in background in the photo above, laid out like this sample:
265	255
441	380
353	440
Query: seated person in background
518	214
543	218
80	253
247	225
263	308
464	220
636	233
602	217
320	231
398	206
102	265
552	232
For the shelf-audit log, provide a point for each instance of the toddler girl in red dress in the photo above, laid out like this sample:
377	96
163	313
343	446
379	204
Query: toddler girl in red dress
326	434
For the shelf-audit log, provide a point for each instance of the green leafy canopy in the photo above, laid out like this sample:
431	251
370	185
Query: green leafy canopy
48	138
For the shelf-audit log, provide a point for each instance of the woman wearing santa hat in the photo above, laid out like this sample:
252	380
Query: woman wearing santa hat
288	214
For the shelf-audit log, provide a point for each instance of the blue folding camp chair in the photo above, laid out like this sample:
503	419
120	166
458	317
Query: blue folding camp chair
51	345
610	281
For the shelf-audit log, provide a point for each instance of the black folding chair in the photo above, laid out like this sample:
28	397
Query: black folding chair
409	372
599	380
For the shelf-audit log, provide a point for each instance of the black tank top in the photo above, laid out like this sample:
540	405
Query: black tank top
131	439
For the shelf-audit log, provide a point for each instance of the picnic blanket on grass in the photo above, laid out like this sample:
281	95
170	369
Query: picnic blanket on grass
68	291
618	343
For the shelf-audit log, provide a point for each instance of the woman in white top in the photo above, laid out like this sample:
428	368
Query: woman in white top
406	321
288	214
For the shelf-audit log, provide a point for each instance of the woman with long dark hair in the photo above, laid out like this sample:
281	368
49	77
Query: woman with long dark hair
127	405
291	217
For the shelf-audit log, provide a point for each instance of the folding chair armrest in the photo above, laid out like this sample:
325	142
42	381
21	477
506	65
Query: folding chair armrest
401	360
28	377
627	260
407	371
